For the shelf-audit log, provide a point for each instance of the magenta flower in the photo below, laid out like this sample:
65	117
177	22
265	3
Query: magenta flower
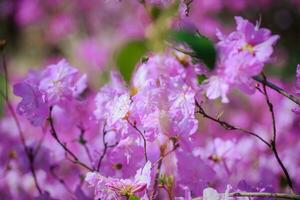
52	86
242	55
111	188
256	41
33	104
164	99
216	87
58	82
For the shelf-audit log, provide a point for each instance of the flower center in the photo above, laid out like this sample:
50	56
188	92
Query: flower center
215	158
249	48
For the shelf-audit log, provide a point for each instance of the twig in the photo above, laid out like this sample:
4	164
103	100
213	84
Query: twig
67	150
260	194
83	142
106	146
28	151
273	141
277	89
270	145
188	6
156	180
159	164
38	146
165	155
228	126
144	140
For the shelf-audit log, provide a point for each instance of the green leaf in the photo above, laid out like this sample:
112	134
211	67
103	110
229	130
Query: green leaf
202	46
201	78
133	197
128	56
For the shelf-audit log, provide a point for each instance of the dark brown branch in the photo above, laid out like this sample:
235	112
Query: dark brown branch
31	158
83	142
144	139
277	89
228	126
106	146
28	151
260	194
38	146
273	142
271	145
156	180
67	150
159	164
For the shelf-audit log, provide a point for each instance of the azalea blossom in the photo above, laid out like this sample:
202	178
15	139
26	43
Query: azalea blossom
58	82
110	188
216	87
242	55
33	106
212	194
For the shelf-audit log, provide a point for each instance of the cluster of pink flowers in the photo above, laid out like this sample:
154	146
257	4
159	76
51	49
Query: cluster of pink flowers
56	85
242	55
161	135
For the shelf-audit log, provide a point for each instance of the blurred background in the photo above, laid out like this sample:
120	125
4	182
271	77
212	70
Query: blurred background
87	32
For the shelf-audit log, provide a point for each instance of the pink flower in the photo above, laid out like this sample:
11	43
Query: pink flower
256	41
242	55
212	194
59	82
32	106
52	86
164	99
110	188
216	87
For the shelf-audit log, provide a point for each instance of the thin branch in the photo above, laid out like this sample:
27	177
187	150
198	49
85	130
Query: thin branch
273	142
175	146
67	150
31	158
106	146
144	139
159	164
83	142
271	145
188	6
156	180
228	126
260	194
277	89
38	146
270	106
28	151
